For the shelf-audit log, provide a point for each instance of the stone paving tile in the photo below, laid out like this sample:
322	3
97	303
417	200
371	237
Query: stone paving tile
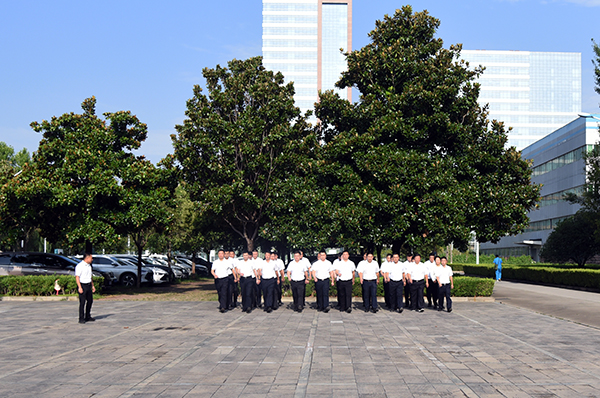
191	350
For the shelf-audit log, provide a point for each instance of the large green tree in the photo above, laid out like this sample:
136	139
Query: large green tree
84	184
574	239
416	161
238	146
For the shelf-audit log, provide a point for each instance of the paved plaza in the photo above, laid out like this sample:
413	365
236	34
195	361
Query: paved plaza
189	349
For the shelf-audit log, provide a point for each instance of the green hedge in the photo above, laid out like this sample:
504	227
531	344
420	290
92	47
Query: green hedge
41	285
576	277
463	287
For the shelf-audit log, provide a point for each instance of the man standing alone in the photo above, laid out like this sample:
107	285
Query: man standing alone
85	287
498	267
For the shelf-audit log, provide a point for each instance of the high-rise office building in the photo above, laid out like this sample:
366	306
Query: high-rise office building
302	39
535	93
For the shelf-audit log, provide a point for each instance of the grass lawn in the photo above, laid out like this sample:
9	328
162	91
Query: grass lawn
202	289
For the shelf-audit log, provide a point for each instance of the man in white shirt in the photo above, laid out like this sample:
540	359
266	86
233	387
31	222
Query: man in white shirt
430	264
322	273
297	273
417	275
395	275
247	281
386	289
85	287
235	288
344	269
221	270
280	277
368	272
407	264
257	290
434	288
445	283
267	281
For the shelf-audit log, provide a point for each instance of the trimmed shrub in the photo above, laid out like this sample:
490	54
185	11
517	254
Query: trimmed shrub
41	285
576	277
463	287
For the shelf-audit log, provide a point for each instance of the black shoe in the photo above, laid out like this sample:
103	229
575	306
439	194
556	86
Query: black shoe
449	309
326	310
81	321
249	310
366	310
90	319
441	309
373	310
280	303
222	310
269	310
399	310
275	307
348	310
420	310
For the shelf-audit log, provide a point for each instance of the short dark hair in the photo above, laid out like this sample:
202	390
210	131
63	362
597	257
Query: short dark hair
221	250
323	251
345	251
443	258
249	252
296	251
86	255
416	255
436	257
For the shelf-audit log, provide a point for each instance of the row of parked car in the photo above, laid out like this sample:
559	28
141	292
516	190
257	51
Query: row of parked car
115	268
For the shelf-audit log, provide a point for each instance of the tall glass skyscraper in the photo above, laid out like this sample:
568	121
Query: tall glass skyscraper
302	39
535	93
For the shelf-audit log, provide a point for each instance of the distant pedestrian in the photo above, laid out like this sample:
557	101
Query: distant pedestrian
498	267
85	287
445	283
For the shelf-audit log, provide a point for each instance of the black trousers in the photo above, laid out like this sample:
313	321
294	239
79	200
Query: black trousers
268	288
322	290
386	294
344	289
416	295
369	291
429	292
236	293
407	298
298	293
222	286
444	291
257	295
434	288
396	294
247	283
279	289
230	287
85	301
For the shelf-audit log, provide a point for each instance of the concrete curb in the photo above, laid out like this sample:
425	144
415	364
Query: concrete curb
39	298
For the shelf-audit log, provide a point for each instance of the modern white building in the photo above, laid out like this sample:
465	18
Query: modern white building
535	93
302	39
559	166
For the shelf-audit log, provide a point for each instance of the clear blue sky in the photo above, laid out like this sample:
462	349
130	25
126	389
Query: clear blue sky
145	56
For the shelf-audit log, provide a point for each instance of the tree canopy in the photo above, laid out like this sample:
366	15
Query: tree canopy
416	160
84	184
238	145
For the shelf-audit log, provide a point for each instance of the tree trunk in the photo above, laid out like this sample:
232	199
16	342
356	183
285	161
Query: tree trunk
88	246
139	257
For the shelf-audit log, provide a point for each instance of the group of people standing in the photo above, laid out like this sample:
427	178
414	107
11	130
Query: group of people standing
403	282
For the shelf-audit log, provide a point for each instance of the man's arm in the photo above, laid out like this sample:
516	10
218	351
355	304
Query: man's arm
79	288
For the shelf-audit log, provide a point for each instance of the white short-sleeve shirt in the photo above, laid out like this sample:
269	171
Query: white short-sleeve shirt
369	270
84	271
322	269
346	269
245	268
222	267
297	270
445	274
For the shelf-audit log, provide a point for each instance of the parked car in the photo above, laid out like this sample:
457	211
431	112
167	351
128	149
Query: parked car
125	273
162	274
201	269
34	263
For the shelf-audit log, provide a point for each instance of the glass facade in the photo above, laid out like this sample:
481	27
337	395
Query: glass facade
291	45
535	93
